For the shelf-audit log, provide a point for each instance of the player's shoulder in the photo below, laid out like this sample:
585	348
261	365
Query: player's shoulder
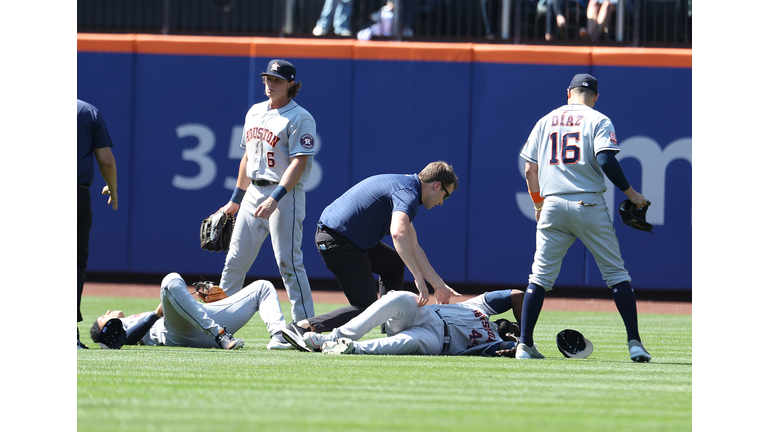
299	111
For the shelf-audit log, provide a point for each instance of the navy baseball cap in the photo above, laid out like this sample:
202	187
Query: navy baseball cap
112	335
280	69
584	80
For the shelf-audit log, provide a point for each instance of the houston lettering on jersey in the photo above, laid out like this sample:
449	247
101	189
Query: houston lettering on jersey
262	134
476	336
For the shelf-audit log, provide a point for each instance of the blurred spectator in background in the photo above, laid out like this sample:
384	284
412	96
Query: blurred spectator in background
556	16
338	13
599	14
383	23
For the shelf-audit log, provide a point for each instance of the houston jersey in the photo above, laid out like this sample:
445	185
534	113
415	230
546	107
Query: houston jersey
272	136
564	144
471	330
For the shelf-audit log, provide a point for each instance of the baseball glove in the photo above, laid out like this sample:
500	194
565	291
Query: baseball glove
209	292
216	231
633	217
573	344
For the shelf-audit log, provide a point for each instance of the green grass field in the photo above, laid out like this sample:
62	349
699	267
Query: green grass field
141	388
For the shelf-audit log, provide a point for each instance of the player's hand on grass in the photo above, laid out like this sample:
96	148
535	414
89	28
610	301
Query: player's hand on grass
506	353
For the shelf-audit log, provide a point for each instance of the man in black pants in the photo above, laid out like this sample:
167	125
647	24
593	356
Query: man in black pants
92	141
349	238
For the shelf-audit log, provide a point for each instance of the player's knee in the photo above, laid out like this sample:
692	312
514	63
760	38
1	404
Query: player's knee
404	299
167	280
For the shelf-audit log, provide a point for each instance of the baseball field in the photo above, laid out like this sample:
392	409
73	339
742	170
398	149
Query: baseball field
141	388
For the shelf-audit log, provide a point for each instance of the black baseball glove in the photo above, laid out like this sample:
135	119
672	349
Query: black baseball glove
216	231
633	217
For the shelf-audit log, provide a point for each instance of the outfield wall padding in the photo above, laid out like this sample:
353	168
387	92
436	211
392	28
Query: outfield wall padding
175	107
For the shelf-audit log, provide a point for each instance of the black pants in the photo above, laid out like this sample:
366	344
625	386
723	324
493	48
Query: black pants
84	220
354	268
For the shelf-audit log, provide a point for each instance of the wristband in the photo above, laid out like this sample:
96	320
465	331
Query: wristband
538	208
237	195
278	193
536	197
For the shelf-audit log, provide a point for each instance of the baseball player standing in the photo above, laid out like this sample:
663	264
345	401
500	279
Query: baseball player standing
566	155
279	140
450	329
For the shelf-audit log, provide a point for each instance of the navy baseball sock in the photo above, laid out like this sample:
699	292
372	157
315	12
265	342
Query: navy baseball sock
624	297
532	304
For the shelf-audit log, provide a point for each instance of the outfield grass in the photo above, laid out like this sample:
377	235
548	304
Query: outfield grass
141	388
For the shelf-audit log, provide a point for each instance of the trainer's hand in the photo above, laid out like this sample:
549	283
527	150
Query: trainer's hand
423	292
266	208
444	293
112	197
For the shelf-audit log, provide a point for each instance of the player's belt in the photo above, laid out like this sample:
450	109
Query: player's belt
446	334
263	183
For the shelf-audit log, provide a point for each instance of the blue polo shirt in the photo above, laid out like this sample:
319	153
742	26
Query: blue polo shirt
91	134
363	214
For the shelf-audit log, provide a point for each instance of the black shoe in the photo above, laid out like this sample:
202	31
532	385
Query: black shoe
296	329
81	345
227	341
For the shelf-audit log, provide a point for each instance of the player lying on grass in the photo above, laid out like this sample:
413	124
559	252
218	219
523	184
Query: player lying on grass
447	329
180	320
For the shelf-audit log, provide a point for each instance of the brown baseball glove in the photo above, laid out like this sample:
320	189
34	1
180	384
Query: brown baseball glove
209	292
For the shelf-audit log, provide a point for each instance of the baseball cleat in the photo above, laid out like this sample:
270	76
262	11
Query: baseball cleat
296	340
341	346
278	342
315	341
525	352
227	341
637	351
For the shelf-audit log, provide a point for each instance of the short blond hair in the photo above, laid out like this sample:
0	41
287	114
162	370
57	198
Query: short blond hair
441	172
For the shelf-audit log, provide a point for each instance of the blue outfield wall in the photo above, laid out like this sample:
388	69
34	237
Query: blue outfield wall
176	120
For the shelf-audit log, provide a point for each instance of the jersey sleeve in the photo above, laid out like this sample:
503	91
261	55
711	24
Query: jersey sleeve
605	136
302	139
530	151
406	201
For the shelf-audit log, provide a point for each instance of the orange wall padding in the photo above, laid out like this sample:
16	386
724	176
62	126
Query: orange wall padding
383	50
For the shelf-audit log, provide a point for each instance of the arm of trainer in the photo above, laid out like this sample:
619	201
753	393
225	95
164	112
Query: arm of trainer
108	170
612	169
406	244
443	292
289	180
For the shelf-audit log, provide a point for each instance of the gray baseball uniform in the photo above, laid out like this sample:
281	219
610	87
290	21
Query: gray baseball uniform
453	329
271	137
564	144
188	323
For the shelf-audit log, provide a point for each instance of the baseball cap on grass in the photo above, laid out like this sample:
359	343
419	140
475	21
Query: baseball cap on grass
112	335
584	80
280	69
573	344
